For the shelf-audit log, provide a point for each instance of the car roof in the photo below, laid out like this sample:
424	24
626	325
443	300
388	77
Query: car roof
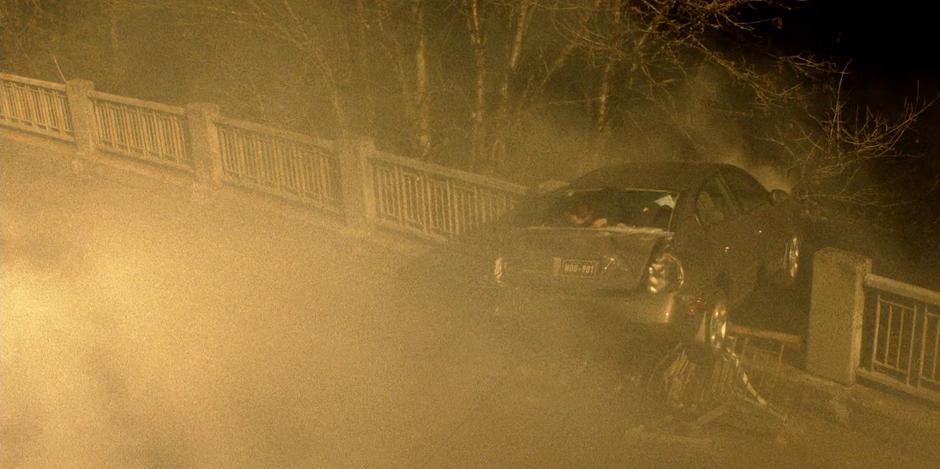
679	176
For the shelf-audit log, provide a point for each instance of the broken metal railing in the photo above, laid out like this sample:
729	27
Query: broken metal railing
747	379
767	356
711	387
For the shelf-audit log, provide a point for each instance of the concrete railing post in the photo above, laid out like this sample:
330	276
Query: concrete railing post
356	182
204	143
82	112
837	308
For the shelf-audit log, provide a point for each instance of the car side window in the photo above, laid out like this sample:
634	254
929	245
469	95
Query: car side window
711	204
749	193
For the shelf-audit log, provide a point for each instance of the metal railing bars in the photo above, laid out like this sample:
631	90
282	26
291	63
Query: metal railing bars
902	345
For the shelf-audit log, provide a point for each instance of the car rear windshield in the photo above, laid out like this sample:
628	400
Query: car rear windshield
600	209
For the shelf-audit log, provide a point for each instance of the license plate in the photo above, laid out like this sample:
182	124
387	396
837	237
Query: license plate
579	268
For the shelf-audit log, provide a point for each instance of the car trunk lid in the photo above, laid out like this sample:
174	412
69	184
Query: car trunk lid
581	259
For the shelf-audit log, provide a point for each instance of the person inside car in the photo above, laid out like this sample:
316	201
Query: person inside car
594	210
581	215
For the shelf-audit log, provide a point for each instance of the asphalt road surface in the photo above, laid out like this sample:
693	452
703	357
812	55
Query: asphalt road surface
142	327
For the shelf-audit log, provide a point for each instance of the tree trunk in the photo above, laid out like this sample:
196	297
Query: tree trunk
523	14
422	91
478	113
602	113
388	39
535	87
361	51
327	73
118	70
515	51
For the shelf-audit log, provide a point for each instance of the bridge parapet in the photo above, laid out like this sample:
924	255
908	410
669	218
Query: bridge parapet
351	180
35	106
151	132
869	326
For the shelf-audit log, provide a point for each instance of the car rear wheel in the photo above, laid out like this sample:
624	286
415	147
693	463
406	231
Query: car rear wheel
793	258
713	329
717	325
791	267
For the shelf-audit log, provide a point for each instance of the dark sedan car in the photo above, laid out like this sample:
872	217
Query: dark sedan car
669	245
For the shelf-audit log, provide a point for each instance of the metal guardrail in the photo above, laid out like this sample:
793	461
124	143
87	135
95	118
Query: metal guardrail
280	163
35	106
144	130
434	201
901	337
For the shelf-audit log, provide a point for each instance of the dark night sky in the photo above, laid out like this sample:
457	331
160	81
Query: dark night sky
890	48
890	44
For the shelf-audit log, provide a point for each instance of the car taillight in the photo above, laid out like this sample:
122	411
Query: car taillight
499	268
664	274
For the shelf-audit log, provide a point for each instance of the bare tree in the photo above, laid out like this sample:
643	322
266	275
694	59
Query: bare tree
478	113
832	156
348	54
118	65
439	79
613	52
422	82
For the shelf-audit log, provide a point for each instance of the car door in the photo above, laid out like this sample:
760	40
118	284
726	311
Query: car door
767	236
728	252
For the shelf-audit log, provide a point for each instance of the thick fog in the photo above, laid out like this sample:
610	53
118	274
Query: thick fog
142	326
145	324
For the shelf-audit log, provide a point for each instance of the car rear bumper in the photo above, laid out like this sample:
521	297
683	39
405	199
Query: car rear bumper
657	312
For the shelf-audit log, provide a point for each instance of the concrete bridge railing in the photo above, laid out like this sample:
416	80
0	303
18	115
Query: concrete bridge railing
869	326
353	180
35	106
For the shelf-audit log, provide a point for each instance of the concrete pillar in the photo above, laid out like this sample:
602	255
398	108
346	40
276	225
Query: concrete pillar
356	182
82	112
203	143
837	307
